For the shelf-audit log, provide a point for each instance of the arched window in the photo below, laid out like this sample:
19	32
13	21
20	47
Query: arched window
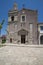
12	18
41	39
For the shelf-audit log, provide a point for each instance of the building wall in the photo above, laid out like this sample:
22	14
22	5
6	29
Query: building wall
31	18
40	32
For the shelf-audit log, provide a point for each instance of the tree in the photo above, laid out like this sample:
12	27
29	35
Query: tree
1	25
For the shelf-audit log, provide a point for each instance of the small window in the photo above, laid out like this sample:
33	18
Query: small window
41	27
12	18
23	18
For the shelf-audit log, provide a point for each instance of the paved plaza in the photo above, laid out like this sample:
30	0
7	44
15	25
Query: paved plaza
21	55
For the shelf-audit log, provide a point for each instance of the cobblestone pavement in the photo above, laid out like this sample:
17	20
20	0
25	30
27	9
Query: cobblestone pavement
21	55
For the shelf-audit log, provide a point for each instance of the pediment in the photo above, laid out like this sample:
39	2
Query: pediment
22	32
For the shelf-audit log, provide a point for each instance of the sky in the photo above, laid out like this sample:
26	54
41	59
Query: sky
6	5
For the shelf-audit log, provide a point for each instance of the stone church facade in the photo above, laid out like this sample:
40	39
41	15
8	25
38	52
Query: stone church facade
23	26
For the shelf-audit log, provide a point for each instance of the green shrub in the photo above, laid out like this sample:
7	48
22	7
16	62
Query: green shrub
3	41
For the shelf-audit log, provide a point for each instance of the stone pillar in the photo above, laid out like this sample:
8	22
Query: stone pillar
16	37
39	39
30	38
8	38
26	39
19	39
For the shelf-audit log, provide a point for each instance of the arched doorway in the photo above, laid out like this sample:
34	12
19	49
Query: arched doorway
23	33
41	39
23	38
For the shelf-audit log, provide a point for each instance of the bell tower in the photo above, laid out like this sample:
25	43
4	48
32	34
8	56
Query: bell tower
15	6
12	22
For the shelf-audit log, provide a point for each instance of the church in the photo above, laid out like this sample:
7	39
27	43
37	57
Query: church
23	26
